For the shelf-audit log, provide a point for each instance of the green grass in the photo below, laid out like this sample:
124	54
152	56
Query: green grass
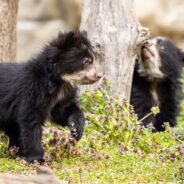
114	148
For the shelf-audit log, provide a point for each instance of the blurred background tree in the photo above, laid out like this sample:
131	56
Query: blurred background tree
8	16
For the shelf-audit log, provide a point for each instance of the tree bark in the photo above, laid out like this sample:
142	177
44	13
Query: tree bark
8	15
114	25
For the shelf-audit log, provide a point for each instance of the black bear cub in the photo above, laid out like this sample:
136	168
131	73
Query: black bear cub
45	87
156	82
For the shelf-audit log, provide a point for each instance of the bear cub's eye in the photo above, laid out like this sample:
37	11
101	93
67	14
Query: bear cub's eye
87	61
160	46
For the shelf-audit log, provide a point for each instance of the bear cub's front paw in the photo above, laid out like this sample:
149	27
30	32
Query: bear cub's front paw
76	130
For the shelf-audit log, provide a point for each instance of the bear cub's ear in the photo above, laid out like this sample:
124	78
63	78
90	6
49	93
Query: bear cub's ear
76	39
70	39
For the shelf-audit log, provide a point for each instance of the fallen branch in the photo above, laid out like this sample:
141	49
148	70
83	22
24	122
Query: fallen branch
44	176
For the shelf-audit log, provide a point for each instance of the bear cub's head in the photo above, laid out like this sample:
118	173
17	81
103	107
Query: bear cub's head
73	58
159	58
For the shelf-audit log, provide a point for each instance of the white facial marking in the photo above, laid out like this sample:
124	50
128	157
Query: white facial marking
83	76
74	78
151	66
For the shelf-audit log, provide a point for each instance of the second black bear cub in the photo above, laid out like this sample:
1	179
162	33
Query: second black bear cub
156	81
45	87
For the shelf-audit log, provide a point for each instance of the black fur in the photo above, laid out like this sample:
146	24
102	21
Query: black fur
168	88
29	93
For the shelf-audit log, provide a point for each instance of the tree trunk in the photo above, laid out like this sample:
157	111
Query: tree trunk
8	15
114	25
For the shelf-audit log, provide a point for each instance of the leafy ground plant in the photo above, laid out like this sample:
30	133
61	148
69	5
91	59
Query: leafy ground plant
114	148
